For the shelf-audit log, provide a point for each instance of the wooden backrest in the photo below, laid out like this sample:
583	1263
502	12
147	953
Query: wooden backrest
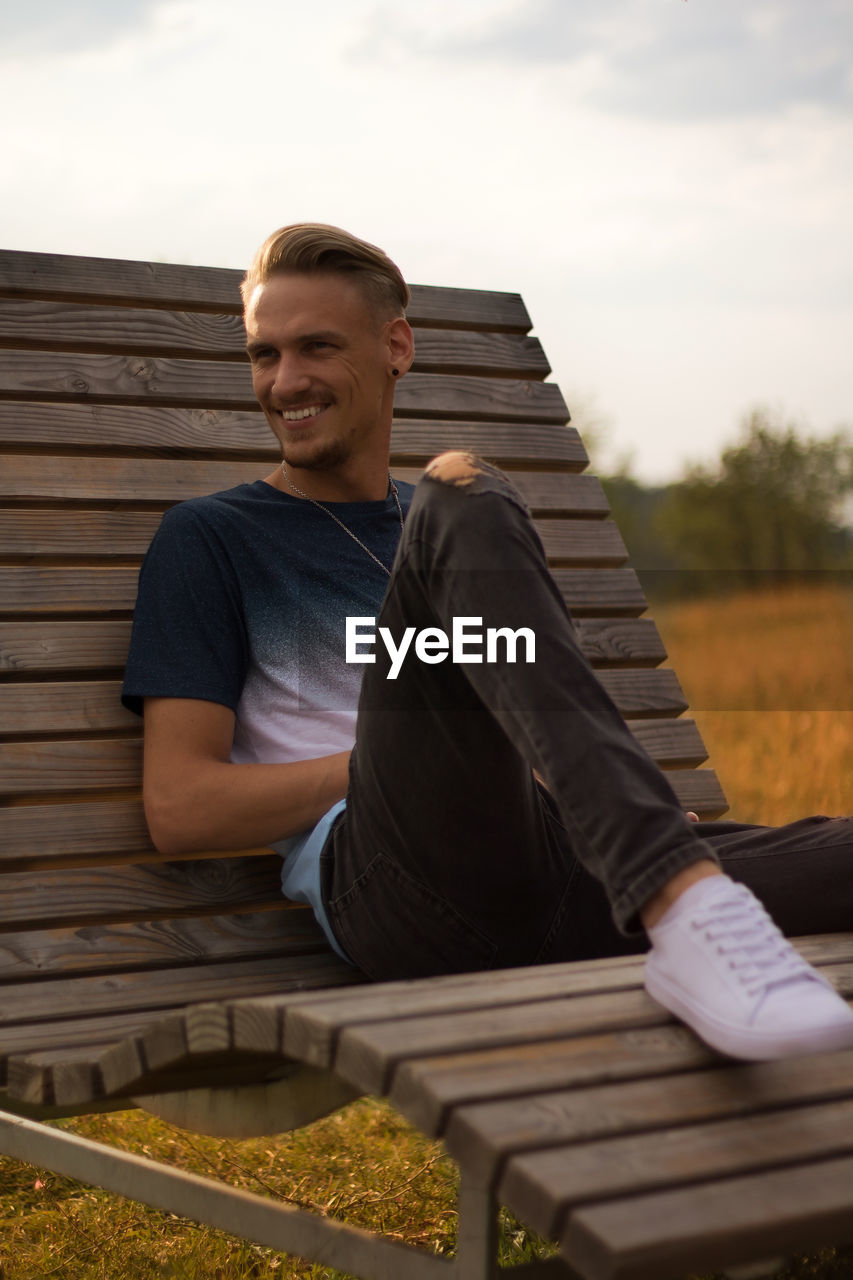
124	388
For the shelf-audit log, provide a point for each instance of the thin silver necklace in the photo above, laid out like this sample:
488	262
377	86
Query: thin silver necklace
303	494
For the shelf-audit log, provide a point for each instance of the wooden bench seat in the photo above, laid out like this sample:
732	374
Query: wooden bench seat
191	984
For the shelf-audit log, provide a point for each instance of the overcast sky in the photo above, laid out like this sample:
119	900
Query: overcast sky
668	183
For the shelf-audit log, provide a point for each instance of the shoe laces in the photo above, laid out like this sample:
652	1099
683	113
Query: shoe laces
755	950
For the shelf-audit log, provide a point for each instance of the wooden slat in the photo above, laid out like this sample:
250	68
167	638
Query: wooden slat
37	835
92	589
79	646
165	482
92	705
27	647
543	1187
113	948
34	900
42	768
428	1090
110	535
122	379
746	1219
699	790
42	1001
67	326
483	1136
158	284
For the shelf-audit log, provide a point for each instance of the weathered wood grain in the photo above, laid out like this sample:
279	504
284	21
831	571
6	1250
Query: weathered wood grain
162	284
747	1219
163	482
543	1187
90	589
91	896
46	325
51	646
482	1136
90	705
110	535
225	384
154	988
312	1030
428	1090
107	946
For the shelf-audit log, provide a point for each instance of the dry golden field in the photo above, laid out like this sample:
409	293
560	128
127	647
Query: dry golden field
770	682
769	679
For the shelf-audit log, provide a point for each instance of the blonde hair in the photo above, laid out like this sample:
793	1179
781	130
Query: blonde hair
315	247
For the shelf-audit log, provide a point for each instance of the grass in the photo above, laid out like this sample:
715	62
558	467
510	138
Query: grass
770	682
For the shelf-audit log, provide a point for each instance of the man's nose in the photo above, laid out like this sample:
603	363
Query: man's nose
291	377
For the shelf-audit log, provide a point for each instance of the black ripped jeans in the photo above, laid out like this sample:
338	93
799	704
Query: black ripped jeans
450	856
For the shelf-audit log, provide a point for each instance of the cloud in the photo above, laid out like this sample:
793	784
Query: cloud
690	60
65	27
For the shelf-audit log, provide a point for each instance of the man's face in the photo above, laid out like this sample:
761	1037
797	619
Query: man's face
321	367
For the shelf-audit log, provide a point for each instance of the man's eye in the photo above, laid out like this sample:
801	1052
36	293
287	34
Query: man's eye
317	344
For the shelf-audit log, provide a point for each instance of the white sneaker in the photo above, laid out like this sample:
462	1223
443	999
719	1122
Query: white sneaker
719	963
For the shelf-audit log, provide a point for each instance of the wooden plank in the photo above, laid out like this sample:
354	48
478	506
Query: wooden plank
46	325
40	1002
610	642
164	482
311	1030
110	535
483	1136
64	589
225	384
543	1186
368	1056
71	1034
698	790
38	835
33	900
161	284
428	1090
65	646
664	1235
42	768
62	707
77	646
57	707
110	947
114	831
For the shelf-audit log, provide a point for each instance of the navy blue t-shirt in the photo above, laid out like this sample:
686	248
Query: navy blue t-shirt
243	600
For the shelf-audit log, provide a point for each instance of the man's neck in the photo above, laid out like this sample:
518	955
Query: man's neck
339	485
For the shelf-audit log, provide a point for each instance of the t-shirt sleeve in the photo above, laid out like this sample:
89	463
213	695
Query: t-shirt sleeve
189	638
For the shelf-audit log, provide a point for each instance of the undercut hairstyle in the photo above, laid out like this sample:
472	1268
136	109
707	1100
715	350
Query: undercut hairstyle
313	248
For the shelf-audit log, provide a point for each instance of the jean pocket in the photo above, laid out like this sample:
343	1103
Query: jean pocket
392	925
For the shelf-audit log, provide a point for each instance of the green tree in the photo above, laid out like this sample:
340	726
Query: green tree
775	505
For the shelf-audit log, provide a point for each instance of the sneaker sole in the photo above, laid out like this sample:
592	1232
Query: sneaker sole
740	1042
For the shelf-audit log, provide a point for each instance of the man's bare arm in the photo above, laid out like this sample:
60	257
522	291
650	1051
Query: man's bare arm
195	799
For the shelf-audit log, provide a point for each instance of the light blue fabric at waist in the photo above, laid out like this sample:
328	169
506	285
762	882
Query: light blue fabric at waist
300	875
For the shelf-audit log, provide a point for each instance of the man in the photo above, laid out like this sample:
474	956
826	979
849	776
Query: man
441	813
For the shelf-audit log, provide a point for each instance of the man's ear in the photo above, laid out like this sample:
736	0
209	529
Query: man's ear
401	345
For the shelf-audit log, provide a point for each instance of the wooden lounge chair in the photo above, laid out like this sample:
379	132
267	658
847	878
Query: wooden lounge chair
190	985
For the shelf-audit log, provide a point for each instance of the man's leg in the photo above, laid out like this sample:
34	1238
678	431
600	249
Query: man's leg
445	832
443	808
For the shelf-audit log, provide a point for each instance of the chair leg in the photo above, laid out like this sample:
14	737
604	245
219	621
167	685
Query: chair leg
477	1243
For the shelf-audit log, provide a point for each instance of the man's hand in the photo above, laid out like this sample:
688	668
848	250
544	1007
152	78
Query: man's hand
196	799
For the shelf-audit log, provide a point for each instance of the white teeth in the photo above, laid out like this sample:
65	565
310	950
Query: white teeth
296	415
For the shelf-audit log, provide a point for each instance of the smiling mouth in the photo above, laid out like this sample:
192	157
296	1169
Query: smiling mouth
297	415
